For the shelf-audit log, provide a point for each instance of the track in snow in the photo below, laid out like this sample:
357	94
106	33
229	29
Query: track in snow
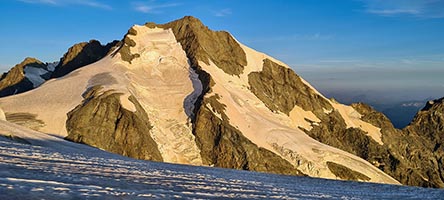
37	172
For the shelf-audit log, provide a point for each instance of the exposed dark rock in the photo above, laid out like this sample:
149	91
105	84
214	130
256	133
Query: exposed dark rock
80	55
222	145
203	44
125	46
25	119
429	122
408	156
280	89
102	122
14	81
428	128
346	173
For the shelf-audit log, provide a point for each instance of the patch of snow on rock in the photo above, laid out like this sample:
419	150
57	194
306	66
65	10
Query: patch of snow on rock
34	75
51	66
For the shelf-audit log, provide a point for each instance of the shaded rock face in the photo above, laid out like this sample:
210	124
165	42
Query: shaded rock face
429	123
428	128
203	44
345	172
222	145
81	54
281	89
102	122
15	81
125	45
408	155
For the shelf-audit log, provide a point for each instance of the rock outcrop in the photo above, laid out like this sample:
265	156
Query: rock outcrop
222	145
102	122
31	73
407	154
202	44
281	89
80	55
15	80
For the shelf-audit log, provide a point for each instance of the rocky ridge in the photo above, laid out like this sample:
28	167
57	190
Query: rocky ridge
247	111
17	79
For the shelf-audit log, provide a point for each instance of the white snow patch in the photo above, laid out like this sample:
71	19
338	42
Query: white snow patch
327	111
298	116
353	119
34	75
126	103
2	115
51	66
218	115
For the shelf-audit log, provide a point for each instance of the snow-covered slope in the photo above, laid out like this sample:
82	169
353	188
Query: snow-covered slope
164	84
51	168
279	132
181	93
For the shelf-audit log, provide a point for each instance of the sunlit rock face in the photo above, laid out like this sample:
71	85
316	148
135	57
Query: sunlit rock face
182	93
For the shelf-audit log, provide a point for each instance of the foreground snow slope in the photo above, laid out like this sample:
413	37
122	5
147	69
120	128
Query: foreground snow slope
52	168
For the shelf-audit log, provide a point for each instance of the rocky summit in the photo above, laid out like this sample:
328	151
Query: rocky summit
182	93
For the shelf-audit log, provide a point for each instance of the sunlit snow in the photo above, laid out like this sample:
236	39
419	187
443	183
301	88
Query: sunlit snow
56	169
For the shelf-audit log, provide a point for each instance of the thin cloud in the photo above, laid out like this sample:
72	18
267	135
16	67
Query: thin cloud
388	12
340	61
53	2
152	8
223	13
95	4
296	37
414	8
89	3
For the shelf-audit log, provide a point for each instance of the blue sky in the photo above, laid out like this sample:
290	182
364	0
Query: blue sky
337	45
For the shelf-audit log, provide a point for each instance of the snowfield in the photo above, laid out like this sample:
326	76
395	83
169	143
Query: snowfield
52	168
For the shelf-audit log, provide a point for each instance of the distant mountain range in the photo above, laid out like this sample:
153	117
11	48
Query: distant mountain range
182	93
400	112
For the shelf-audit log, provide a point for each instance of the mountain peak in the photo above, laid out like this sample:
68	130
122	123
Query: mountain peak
30	60
184	21
180	92
81	54
433	103
15	81
202	44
